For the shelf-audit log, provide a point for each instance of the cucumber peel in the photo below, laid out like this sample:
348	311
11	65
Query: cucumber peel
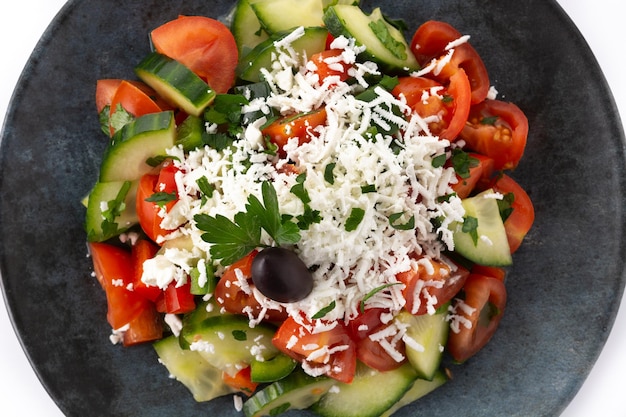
487	243
384	43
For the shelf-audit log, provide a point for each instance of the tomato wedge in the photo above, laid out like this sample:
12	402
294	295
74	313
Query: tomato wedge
480	173
204	45
179	300
141	251
430	41
498	130
148	211
370	351
294	126
230	295
521	219
425	292
429	98
329	64
145	327
241	381
113	267
105	90
486	298
331	351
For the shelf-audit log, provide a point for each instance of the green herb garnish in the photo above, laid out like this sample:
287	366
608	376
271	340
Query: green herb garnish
325	310
409	225
240	335
355	218
470	225
232	240
373	292
162	198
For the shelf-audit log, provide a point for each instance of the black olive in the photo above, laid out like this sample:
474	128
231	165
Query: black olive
279	274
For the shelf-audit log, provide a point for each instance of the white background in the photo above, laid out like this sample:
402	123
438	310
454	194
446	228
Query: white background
21	24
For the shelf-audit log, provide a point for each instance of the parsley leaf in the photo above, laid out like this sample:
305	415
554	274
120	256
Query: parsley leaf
470	225
491	120
355	218
232	240
299	190
409	225
462	162
161	198
505	206
114	209
240	335
329	177
120	118
373	292
439	160
330	307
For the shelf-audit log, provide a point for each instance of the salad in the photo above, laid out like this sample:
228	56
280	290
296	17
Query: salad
293	211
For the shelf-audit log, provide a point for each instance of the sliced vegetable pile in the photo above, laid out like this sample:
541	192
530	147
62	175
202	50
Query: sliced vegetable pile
296	210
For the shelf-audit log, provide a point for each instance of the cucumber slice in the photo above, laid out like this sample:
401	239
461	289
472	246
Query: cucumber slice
249	69
431	333
327	3
189	133
491	247
126	156
370	394
193	320
271	14
272	370
228	343
117	198
385	44
419	389
246	28
203	380
175	83
296	392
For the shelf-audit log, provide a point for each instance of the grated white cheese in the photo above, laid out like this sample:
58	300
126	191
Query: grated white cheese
348	265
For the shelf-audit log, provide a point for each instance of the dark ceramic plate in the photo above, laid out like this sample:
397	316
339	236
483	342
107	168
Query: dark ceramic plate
564	288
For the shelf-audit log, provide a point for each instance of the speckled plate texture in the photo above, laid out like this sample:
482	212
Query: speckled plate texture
564	288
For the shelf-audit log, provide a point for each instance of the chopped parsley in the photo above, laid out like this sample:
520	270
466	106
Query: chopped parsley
355	218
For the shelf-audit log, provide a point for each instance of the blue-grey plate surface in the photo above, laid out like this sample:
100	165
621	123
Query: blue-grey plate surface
564	288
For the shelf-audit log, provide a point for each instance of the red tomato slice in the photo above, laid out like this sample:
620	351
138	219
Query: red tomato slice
133	99
479	175
141	252
451	103
105	90
147	211
146	327
241	381
429	42
204	45
499	130
327	65
489	271
294	126
522	218
487	298
113	267
423	290
331	349
369	351
234	299
179	300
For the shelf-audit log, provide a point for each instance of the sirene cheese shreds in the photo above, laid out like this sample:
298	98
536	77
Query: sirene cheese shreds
390	179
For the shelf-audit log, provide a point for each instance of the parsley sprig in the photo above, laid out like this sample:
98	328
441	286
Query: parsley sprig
232	240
